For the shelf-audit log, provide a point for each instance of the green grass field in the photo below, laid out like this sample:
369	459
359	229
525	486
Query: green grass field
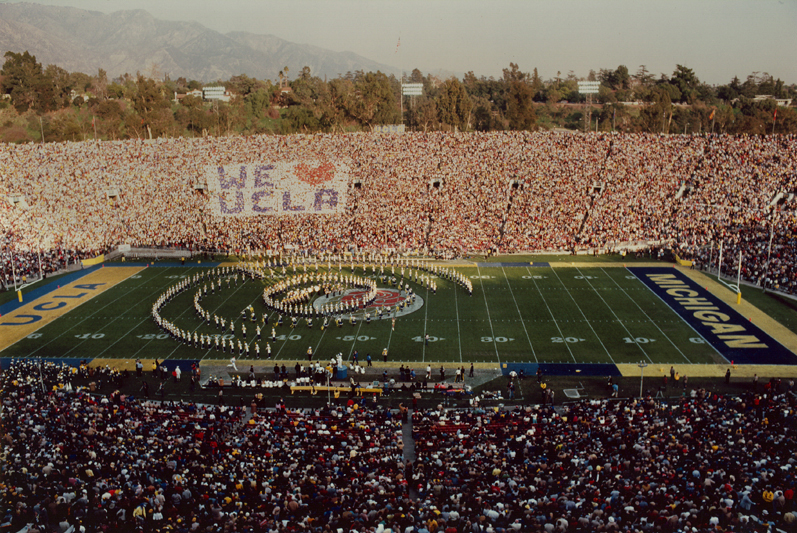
601	314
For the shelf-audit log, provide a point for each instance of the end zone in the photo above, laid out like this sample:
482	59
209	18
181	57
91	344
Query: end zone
737	339
49	305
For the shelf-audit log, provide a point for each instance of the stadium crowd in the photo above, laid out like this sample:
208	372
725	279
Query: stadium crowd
115	463
445	193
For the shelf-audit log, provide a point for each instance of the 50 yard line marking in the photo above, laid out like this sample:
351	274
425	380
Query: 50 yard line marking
567	345
583	315
522	323
489	320
646	315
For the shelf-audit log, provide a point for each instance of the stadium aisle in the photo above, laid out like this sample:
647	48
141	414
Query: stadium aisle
406	437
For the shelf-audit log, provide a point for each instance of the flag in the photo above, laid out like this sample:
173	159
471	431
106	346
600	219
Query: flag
775	116
711	116
398	44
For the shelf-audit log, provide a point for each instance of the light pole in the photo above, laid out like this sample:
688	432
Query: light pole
642	365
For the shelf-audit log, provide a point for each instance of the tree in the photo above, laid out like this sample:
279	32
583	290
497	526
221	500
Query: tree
151	105
24	81
100	84
453	104
513	73
520	100
687	83
731	91
622	77
301	119
643	76
372	100
653	117
244	85
58	85
425	114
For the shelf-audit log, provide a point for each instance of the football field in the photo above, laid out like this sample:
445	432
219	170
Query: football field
602	314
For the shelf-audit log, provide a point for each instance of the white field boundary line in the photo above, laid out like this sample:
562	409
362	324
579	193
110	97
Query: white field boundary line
354	342
148	317
249	343
70	311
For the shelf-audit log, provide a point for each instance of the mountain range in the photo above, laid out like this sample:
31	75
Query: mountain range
135	41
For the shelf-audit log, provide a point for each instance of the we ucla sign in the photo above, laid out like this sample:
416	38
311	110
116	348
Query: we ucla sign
278	188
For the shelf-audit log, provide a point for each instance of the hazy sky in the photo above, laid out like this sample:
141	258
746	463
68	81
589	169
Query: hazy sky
717	38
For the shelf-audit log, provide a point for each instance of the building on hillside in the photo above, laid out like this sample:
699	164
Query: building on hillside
195	93
782	102
216	92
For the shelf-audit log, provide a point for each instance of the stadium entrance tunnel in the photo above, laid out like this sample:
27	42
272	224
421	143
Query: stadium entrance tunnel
561	369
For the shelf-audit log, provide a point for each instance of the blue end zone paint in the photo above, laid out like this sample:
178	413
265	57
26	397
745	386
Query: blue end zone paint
38	292
562	369
718	323
487	265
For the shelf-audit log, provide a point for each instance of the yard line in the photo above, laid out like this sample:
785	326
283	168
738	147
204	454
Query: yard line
522	322
617	318
315	350
351	350
582	314
425	316
489	320
562	335
646	316
459	335
92	315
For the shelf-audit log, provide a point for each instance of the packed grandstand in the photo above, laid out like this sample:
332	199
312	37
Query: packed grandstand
444	193
74	461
